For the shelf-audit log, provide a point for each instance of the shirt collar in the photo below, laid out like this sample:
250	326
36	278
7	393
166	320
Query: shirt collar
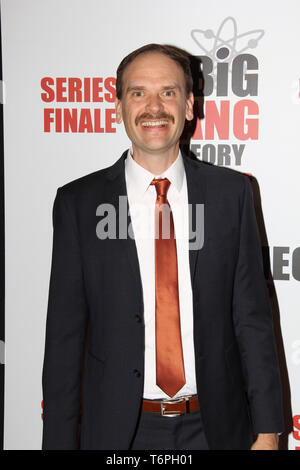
139	179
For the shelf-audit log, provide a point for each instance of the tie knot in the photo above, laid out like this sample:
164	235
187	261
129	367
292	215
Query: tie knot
161	185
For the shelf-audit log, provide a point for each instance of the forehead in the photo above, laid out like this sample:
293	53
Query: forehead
153	67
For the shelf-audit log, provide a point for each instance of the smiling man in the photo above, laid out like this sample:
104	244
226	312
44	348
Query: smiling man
154	101
179	342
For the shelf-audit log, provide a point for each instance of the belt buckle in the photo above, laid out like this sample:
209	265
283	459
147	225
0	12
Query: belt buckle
172	414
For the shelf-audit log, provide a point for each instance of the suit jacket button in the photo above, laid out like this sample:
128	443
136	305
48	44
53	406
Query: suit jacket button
137	373
138	318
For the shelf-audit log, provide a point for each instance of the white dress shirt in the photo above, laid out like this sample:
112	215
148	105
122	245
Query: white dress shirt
141	199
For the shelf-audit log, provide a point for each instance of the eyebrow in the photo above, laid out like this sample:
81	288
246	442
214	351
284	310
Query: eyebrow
140	88
135	88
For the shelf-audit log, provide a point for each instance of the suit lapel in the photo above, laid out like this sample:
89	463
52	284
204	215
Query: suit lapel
116	187
196	186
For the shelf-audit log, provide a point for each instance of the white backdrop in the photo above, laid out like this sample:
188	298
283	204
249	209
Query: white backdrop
84	39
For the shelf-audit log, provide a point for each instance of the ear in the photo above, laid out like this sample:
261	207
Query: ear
118	105
189	113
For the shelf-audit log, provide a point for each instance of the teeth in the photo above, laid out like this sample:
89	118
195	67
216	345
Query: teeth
154	123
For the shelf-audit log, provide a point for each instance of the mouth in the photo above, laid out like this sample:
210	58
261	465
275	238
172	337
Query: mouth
154	124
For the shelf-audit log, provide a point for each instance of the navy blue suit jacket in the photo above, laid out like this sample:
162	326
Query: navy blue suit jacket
95	287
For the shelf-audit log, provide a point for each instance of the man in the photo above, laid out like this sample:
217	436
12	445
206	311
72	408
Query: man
180	345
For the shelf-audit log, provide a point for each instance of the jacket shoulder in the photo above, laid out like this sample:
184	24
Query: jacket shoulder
84	182
95	180
220	177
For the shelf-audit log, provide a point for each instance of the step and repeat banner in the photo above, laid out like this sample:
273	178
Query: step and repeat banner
59	67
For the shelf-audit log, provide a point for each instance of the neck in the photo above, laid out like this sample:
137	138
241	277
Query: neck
155	163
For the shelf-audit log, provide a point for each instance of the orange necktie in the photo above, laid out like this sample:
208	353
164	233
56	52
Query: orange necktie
170	375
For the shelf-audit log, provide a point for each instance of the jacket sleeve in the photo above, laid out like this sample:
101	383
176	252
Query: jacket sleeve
66	325
253	322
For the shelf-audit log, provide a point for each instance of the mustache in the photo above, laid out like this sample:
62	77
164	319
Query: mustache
150	116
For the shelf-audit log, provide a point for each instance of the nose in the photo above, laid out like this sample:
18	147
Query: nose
154	104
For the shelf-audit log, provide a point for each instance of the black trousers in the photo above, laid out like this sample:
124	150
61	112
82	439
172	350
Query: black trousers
156	432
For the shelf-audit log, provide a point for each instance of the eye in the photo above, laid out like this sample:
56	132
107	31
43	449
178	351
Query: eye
169	93
137	94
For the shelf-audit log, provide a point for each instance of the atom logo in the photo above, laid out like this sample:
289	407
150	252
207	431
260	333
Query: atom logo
226	48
